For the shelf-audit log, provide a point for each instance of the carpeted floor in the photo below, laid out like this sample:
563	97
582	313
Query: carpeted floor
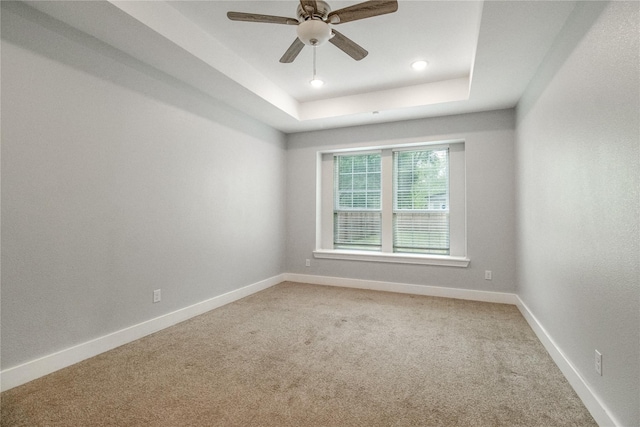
305	355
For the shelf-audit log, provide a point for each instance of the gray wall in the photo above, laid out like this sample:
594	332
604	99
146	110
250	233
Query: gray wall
117	180
577	172
490	200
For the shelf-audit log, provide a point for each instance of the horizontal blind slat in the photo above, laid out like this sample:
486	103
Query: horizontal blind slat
428	231
421	183
357	230
357	195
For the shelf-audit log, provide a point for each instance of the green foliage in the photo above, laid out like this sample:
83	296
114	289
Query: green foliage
358	182
421	180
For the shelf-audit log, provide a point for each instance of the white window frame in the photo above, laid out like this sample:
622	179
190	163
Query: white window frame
335	196
457	208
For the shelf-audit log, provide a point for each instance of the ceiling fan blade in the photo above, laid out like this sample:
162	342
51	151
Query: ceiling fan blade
309	6
267	19
292	52
348	46
363	10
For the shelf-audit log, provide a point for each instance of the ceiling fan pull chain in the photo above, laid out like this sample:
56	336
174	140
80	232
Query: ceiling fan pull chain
315	82
314	62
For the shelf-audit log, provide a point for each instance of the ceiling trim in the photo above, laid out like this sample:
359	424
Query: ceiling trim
175	27
510	41
172	25
410	96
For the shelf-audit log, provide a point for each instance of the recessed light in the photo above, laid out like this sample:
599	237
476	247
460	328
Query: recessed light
316	83
419	65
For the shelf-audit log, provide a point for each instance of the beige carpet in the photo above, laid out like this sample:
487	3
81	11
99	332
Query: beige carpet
304	355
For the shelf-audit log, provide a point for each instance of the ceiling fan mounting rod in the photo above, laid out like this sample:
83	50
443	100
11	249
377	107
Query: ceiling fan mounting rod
307	12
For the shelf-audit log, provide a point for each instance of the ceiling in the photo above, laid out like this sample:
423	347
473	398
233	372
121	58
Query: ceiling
481	56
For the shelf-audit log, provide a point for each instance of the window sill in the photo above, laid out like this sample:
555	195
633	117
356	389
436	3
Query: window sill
444	260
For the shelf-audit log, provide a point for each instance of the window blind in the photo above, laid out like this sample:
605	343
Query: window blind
357	214
421	201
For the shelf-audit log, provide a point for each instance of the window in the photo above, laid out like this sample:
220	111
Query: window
394	204
357	214
421	201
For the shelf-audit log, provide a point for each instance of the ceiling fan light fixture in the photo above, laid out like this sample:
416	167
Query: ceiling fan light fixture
316	82
313	32
419	65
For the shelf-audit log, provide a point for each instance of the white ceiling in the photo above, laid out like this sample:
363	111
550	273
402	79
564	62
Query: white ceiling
481	55
390	54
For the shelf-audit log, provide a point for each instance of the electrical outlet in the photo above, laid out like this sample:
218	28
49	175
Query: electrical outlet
156	295
308	263
598	361
488	275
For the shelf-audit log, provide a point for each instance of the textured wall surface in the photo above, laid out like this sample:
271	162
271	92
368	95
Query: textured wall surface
117	181
489	140
578	179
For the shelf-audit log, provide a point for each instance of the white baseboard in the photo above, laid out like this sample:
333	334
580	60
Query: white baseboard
433	291
29	371
591	401
21	374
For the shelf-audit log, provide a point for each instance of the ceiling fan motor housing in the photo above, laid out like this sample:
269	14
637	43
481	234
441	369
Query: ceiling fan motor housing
321	12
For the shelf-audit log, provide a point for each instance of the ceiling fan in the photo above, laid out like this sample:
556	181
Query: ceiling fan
314	22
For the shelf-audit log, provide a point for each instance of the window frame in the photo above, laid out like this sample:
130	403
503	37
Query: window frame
337	210
398	211
324	207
